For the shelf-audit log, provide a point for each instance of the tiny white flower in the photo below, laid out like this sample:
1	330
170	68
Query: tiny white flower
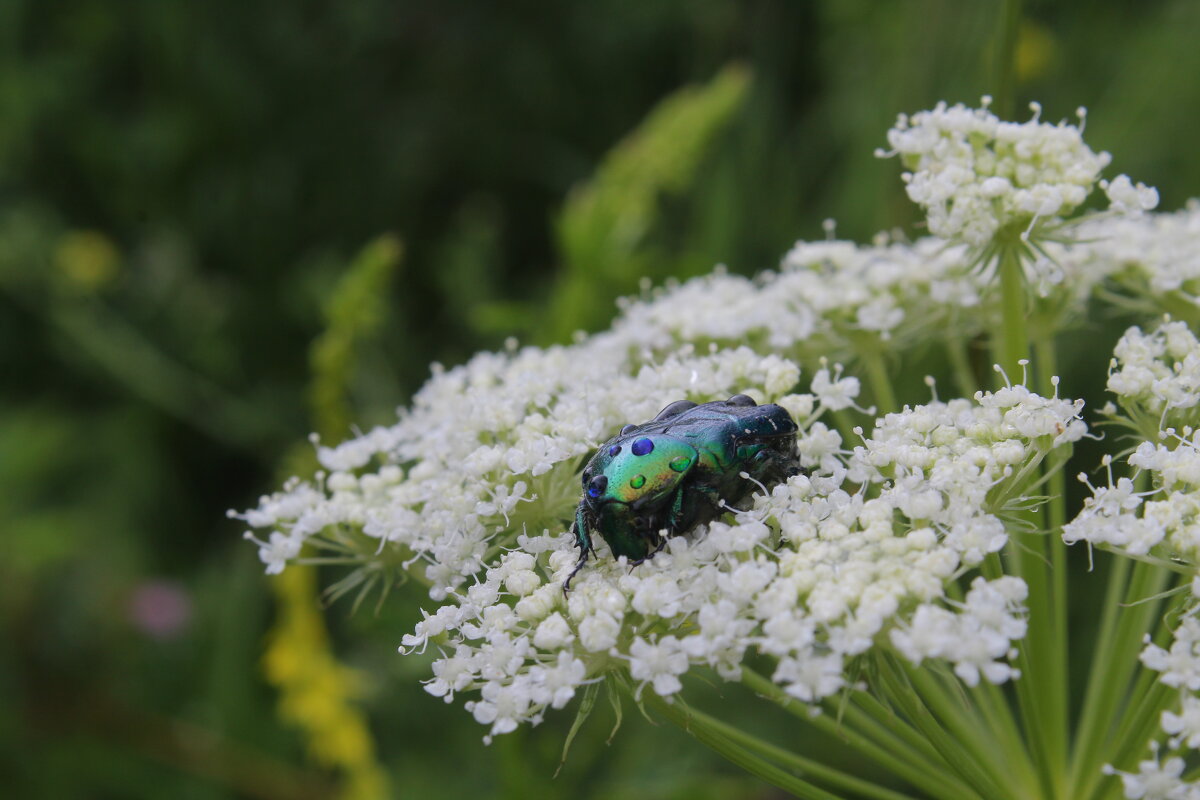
835	392
277	551
659	663
598	632
1126	198
1184	726
552	633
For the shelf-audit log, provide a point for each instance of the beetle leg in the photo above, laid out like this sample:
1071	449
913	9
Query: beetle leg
676	512
662	542
584	540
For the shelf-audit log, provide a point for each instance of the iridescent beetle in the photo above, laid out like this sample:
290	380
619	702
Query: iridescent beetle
671	473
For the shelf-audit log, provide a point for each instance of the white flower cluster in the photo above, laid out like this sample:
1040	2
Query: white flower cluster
822	298
812	575
1158	371
975	174
496	445
498	441
480	478
828	296
1136	260
1118	516
976	640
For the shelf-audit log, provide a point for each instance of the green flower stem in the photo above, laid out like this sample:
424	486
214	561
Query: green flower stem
998	716
1142	718
1041	697
1147	678
1011	343
969	726
867	712
1006	51
1142	722
1174	567
693	718
1046	361
960	363
717	740
1099	696
969	766
871	353
1032	715
1056	649
894	756
897	737
1114	661
1180	307
885	727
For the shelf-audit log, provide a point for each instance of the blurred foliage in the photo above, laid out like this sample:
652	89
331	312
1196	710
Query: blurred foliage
356	309
604	224
317	693
182	187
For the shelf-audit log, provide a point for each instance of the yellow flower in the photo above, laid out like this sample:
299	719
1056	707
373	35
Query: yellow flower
317	693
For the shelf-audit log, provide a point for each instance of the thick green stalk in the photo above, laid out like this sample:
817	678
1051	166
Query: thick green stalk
960	363
1142	716
1041	697
881	384
1040	691
1055	513
1099	694
1147	678
1011	343
1141	722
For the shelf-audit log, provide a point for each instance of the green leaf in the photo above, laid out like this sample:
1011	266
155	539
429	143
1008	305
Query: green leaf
614	697
585	711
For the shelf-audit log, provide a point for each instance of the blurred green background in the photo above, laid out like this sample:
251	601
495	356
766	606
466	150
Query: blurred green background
193	194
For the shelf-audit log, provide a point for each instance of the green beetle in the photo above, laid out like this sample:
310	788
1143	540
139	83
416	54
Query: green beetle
672	473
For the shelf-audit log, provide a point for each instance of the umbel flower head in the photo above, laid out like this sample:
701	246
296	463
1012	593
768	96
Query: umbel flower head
977	176
886	545
474	488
